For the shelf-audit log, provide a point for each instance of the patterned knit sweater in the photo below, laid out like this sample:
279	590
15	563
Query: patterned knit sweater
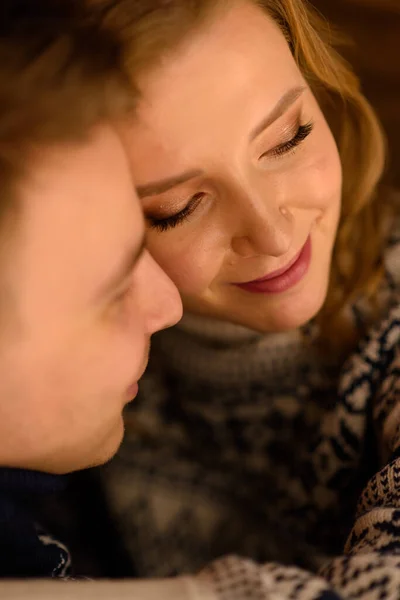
242	444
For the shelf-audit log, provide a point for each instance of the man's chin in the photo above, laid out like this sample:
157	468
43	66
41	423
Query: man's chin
94	457
111	445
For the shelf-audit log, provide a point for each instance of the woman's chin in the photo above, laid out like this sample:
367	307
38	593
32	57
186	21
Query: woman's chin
284	314
266	313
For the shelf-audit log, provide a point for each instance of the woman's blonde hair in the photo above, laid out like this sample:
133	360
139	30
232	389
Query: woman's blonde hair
152	28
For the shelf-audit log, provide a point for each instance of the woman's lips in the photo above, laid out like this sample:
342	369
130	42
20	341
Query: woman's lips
285	278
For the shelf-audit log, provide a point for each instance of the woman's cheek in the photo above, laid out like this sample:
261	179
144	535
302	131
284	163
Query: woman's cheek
327	180
327	166
319	177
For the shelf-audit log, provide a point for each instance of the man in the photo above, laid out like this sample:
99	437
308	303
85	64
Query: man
79	294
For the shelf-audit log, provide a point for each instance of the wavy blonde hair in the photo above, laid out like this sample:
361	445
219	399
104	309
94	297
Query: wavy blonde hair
152	28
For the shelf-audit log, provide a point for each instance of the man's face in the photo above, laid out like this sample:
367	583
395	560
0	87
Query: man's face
81	300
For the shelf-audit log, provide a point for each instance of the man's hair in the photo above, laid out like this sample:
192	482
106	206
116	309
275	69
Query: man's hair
60	76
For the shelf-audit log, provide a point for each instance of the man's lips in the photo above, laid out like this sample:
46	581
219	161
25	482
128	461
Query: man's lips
133	389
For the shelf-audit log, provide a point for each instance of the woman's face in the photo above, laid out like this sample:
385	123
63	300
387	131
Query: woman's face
239	175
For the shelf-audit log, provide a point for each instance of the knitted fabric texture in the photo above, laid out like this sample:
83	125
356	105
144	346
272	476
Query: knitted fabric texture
242	444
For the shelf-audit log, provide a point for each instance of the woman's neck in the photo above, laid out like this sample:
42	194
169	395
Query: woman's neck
212	351
216	332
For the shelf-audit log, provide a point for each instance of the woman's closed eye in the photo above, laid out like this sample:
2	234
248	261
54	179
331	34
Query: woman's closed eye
302	133
161	223
165	223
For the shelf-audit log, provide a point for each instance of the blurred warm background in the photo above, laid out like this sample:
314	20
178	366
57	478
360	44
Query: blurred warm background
374	26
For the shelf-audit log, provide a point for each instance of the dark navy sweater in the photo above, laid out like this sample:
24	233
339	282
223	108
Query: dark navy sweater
44	519
26	548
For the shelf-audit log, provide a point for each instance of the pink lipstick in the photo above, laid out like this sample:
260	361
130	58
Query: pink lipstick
283	279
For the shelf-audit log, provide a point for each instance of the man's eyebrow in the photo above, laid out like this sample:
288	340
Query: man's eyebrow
124	270
281	107
163	185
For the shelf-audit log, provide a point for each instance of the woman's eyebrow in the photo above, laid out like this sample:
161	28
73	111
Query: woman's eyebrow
281	107
163	185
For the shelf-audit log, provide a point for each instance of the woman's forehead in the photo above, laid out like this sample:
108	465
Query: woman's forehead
211	85
221	49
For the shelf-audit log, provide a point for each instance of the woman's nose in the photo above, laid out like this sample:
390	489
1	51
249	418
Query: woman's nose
263	230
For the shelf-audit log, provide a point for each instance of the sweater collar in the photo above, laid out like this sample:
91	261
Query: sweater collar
26	481
212	352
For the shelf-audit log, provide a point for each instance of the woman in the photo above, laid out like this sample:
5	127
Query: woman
258	161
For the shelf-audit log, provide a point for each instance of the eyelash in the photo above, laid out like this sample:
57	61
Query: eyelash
167	223
175	220
302	133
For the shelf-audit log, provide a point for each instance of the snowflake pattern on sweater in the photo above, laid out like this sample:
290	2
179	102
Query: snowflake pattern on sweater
245	447
370	567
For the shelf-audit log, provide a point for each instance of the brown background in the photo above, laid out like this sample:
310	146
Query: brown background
374	27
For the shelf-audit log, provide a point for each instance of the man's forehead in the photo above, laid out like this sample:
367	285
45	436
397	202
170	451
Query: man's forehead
81	214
